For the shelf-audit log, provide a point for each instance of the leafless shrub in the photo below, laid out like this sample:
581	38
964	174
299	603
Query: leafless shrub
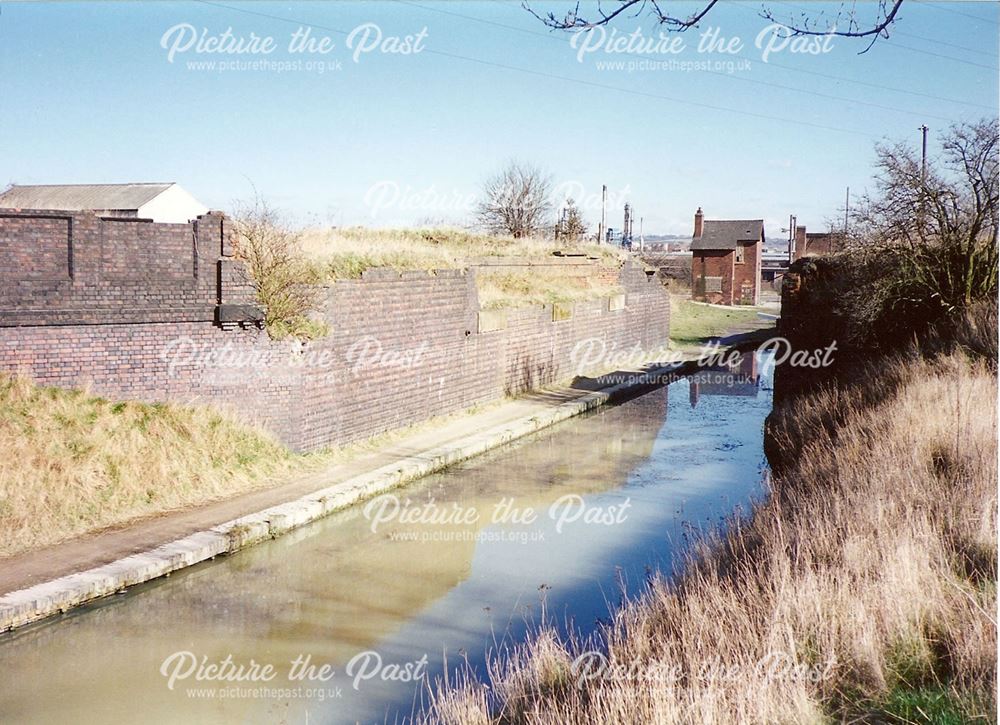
284	281
925	242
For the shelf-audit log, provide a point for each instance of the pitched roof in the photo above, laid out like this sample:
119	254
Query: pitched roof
81	196
725	234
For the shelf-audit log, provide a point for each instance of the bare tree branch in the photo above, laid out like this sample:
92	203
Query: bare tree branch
516	201
572	19
878	27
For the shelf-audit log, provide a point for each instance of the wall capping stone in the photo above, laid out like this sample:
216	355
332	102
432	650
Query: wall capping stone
492	320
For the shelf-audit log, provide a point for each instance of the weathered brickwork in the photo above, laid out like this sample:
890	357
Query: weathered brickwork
127	309
738	282
746	276
76	267
711	276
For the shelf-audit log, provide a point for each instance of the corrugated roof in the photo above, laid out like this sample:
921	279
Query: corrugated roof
725	234
81	196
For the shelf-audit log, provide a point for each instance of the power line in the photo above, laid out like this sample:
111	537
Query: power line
732	77
987	53
565	79
827	76
940	55
955	12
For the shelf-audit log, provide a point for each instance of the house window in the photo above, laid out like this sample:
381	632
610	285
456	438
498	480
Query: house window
739	253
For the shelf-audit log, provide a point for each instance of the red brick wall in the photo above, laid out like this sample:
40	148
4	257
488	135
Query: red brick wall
712	263
746	276
126	309
736	277
823	243
59	267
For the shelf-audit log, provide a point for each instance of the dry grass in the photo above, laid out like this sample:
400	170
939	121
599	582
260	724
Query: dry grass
346	253
539	286
74	463
875	554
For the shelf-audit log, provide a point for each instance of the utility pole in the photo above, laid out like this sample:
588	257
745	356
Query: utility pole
923	178
642	242
791	238
847	211
923	154
604	212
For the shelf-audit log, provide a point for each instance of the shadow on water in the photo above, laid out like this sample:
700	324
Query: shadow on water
614	494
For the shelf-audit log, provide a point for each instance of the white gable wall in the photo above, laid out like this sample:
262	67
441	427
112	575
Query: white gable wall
173	206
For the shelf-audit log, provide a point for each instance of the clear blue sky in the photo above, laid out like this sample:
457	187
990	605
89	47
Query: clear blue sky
87	94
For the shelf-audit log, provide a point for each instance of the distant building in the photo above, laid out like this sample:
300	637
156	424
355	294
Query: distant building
814	244
162	202
726	258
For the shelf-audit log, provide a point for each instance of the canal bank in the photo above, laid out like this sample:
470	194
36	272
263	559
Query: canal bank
862	589
54	580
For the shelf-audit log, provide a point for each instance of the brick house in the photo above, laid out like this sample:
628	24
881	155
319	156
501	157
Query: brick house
725	260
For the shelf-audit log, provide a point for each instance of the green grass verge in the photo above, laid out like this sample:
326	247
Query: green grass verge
692	323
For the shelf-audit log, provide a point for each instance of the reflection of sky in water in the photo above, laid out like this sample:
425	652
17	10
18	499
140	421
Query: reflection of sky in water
683	456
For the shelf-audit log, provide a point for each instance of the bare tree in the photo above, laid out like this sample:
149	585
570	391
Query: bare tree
516	201
928	237
271	251
845	24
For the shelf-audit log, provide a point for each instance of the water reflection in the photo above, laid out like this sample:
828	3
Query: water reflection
408	591
738	377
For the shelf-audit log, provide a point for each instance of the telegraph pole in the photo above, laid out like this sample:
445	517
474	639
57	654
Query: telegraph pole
604	212
923	154
791	238
923	178
847	210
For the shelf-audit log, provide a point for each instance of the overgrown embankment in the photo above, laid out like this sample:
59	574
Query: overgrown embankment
347	253
75	463
863	589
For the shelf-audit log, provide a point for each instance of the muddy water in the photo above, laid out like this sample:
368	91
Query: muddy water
450	567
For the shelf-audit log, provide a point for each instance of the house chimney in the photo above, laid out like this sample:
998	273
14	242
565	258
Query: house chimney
699	223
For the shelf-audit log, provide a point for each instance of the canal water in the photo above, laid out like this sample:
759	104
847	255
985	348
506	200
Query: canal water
372	602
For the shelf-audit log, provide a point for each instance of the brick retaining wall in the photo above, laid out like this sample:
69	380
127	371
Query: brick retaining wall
129	309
